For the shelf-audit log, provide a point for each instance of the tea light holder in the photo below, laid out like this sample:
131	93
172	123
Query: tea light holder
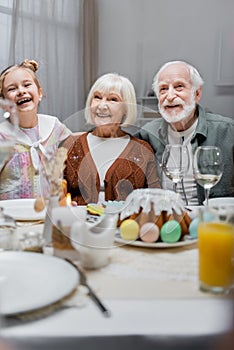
62	220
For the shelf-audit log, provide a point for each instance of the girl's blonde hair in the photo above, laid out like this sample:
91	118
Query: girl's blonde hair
113	82
30	65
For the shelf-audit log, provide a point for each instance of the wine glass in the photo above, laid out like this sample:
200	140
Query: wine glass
175	163
207	167
8	129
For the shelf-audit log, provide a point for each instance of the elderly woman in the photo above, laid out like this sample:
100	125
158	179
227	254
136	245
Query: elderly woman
107	163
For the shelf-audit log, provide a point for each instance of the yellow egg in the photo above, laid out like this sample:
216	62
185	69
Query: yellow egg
129	230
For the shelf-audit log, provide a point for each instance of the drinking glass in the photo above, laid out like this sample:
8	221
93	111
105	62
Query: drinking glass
207	167
175	163
216	249
8	129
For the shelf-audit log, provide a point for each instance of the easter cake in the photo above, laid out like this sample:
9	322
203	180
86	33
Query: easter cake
154	215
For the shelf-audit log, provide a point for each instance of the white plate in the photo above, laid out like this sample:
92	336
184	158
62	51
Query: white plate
221	201
159	245
29	281
22	209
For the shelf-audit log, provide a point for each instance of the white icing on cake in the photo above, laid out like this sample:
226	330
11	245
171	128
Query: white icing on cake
162	200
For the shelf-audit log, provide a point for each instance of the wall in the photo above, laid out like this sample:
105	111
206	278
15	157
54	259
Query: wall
137	36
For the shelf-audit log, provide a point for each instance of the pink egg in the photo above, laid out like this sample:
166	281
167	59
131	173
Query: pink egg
149	232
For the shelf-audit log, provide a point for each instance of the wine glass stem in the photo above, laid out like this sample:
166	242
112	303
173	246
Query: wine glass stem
184	193
207	194
175	186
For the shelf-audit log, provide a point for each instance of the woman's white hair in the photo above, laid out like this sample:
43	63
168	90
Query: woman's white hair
195	77
113	82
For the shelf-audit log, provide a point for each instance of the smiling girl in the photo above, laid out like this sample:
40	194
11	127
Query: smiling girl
39	135
108	163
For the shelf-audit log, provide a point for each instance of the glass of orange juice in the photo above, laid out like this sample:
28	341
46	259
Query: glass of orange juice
216	252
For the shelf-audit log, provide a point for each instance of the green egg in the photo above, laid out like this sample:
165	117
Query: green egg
170	232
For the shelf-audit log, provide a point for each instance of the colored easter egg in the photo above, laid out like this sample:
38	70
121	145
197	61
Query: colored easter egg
170	231
129	230
149	232
193	227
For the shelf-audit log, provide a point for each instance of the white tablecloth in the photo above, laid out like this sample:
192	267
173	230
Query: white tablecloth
155	302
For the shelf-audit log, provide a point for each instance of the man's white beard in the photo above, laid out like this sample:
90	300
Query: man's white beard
173	117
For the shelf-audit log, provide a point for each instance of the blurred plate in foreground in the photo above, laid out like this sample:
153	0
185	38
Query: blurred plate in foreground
30	281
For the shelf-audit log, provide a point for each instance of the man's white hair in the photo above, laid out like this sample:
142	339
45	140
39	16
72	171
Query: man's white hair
195	77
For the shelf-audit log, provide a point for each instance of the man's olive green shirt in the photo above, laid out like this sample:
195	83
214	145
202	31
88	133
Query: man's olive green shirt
213	130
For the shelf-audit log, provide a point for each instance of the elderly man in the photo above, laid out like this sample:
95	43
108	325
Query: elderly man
178	87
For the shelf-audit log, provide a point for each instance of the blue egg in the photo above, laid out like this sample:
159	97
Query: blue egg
193	227
194	223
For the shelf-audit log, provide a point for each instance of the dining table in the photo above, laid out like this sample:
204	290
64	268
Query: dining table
153	298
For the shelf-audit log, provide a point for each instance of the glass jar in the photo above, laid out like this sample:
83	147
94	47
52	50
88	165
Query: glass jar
32	242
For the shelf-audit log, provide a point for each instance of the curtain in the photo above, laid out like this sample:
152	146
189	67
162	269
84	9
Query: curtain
61	36
89	34
90	39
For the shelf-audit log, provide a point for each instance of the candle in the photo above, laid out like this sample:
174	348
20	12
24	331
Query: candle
62	219
65	201
68	199
68	214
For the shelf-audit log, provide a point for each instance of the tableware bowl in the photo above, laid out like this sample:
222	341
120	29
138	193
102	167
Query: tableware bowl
221	201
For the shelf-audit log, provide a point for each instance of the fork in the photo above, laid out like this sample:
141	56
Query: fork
84	282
